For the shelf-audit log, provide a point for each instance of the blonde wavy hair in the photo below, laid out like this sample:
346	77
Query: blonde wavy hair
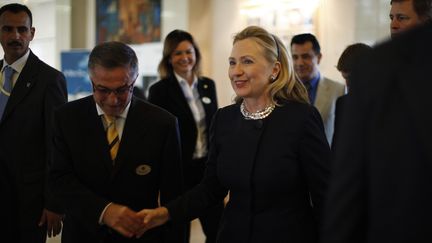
286	86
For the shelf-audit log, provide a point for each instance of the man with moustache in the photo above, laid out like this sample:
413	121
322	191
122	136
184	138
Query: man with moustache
29	92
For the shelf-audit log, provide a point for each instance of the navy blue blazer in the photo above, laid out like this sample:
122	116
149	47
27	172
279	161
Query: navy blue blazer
276	171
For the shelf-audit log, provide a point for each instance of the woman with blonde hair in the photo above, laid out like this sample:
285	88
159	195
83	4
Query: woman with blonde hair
268	150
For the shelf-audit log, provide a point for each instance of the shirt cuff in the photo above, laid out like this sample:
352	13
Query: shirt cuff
102	214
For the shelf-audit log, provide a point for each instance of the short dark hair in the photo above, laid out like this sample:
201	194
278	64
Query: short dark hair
303	38
423	8
114	54
17	8
171	42
351	55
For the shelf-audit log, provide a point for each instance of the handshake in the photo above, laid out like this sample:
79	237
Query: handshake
133	224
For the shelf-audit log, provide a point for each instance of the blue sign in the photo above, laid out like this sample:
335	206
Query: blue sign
74	67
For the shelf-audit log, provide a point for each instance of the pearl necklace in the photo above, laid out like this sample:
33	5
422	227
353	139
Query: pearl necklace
256	115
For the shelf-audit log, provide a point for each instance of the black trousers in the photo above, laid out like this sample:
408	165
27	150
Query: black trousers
209	220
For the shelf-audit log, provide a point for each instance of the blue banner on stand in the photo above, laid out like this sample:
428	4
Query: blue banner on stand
74	67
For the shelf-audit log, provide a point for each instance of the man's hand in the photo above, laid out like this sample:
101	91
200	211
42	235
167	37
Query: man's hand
122	219
53	221
152	218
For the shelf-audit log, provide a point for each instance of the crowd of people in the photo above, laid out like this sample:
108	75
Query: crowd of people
297	157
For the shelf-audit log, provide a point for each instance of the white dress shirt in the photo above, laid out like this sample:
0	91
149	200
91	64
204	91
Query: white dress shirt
192	96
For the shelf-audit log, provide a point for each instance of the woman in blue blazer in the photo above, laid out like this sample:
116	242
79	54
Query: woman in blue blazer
268	150
192	99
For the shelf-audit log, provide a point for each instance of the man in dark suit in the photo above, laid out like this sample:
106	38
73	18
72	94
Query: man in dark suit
382	185
30	90
114	155
349	58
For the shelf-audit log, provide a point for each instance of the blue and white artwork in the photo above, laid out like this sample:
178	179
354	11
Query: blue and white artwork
74	67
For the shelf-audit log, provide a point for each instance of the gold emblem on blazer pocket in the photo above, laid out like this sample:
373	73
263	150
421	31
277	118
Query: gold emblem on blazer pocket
143	170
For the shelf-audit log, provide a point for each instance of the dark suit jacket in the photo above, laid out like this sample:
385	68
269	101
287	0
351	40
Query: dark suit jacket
340	109
274	168
382	185
168	94
86	180
26	141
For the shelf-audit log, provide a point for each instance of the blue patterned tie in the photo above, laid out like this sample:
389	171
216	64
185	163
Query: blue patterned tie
5	88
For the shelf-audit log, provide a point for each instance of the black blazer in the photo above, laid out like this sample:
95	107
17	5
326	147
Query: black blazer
26	142
168	94
273	168
339	111
86	180
382	179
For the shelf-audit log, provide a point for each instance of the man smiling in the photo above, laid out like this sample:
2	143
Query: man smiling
323	92
114	155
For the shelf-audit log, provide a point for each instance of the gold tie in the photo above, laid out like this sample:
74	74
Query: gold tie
112	136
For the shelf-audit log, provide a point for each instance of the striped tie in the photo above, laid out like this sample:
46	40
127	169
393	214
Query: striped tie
112	136
5	88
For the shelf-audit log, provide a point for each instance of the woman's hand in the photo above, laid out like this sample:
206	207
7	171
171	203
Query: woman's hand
152	218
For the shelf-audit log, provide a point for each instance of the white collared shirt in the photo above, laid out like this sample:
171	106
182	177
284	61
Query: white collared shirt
18	66
192	96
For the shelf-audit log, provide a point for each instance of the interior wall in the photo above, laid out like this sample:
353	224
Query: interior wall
63	24
200	27
80	20
174	15
336	29
339	24
226	22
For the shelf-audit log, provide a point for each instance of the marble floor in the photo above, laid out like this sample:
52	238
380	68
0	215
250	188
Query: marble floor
196	234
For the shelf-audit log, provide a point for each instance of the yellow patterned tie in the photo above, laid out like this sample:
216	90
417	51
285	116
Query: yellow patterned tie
112	136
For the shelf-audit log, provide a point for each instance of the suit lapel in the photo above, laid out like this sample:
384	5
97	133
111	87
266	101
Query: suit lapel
130	137
205	97
96	139
176	93
322	101
23	85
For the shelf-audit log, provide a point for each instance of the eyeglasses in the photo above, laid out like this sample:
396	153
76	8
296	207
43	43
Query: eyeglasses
121	91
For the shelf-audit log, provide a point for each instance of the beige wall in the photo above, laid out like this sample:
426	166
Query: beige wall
339	24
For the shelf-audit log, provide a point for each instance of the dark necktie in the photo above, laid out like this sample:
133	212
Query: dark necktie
309	90
5	88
